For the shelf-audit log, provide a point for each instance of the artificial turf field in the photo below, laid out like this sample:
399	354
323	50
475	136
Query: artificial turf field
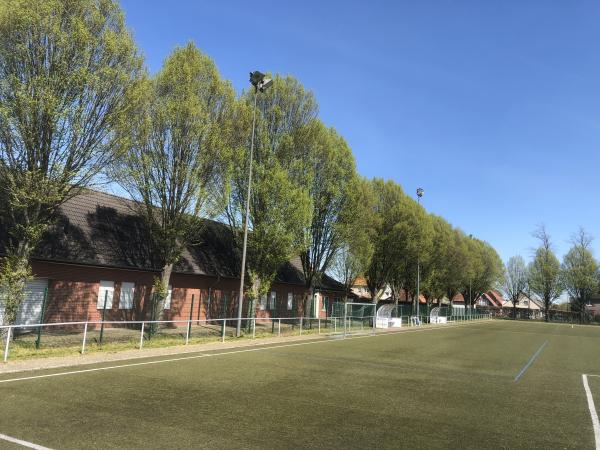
444	387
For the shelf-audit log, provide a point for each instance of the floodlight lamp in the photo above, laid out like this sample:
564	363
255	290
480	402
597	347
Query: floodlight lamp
264	84
256	78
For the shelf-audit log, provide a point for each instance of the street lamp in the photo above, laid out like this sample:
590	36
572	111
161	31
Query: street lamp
260	83
420	193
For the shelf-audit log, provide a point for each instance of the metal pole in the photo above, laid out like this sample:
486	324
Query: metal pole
345	318
375	319
470	299
43	313
223	334
253	328
320	325
243	270
7	343
187	334
142	335
103	316
300	325
84	338
224	312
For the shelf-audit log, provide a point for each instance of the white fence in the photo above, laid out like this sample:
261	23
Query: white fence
137	333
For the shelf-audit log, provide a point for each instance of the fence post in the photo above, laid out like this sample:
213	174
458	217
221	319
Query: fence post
43	313
142	335
223	333
335	324
253	327
103	316
279	327
84	338
301	325
319	319
190	321
8	333
187	333
375	321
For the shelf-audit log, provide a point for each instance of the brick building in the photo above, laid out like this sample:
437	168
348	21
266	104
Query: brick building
98	252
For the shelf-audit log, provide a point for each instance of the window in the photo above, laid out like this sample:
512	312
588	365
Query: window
290	302
325	303
272	299
168	299
262	304
126	297
105	294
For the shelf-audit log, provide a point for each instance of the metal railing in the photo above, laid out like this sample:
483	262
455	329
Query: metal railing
62	335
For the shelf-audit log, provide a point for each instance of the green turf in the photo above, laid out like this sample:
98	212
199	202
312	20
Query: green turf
446	387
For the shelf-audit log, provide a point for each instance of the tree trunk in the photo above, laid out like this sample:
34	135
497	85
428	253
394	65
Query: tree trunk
161	290
14	274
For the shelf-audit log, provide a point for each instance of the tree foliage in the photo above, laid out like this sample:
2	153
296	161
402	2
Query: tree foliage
75	101
354	254
65	69
171	161
331	179
280	205
580	271
516	279
544	271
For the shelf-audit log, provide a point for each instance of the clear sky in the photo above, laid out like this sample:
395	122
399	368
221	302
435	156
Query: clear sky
493	107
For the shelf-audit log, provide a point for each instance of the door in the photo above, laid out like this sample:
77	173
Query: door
31	309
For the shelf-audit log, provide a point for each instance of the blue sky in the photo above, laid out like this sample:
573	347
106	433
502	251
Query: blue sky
493	107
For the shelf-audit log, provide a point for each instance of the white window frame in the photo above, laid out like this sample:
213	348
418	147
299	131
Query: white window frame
169	297
272	300
324	305
126	295
103	287
290	301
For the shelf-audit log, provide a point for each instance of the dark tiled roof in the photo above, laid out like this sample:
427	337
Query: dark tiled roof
96	228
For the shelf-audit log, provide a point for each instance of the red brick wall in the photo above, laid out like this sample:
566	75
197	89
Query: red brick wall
73	295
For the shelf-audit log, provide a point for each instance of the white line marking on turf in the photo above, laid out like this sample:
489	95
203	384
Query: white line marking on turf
592	408
23	443
530	362
206	355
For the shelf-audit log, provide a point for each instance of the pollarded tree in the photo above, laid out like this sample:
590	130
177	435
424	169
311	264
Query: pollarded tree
354	255
544	271
484	269
436	267
409	245
171	161
280	205
65	69
457	264
332	177
388	200
516	279
580	270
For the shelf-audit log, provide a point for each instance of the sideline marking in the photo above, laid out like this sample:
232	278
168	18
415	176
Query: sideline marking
592	408
23	443
530	362
206	355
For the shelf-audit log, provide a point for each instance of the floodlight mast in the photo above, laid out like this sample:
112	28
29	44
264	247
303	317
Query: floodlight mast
260	83
420	193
